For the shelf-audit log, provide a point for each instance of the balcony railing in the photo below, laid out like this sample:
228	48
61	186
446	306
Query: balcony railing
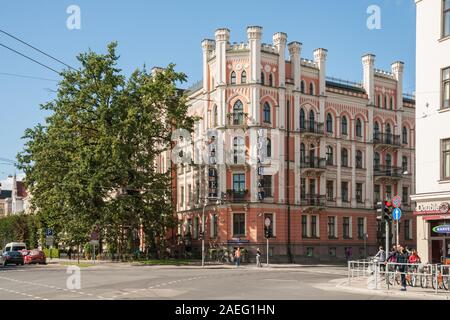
313	163
312	200
386	139
387	171
237	119
237	196
312	127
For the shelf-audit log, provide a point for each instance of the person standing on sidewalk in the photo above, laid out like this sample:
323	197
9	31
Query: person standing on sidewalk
381	255
258	258
237	256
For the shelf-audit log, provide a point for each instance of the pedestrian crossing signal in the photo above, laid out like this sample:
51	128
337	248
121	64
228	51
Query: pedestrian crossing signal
268	232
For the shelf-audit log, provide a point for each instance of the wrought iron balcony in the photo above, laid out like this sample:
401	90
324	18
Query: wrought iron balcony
311	128
313	163
237	119
387	172
313	200
388	139
237	196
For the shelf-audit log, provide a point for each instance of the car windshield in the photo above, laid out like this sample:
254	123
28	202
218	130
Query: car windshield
18	248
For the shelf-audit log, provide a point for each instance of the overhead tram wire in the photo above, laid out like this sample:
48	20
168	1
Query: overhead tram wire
26	76
29	58
38	50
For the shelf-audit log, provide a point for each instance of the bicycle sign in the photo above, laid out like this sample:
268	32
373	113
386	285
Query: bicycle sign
397	202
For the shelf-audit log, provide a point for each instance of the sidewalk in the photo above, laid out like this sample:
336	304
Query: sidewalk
365	285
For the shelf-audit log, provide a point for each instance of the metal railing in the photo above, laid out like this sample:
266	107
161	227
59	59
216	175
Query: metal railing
311	127
312	200
435	276
386	138
387	171
312	163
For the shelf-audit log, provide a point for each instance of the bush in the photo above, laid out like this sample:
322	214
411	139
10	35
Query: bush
51	253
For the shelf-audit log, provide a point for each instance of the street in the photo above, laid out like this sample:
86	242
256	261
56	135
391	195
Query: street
124	281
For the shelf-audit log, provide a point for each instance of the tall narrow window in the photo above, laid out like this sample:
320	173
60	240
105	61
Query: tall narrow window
344	157
302	87
360	228
302	119
302	152
446	19
376	161
329	123
359	159
346	228
271	80
269	148
262	78
392	103
238	150
267	186
446	87
388	134
405	196
312	119
445	160
266	111
404	164
379	101
314	226
215	116
238	113
233	77
344	191
332	227
377	192
388	161
359	192
329	155
304	226
330	190
344	125
311	89
376	131
385	102
358	128
405	135
244	77
238	225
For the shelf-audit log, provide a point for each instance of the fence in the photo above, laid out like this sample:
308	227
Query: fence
436	276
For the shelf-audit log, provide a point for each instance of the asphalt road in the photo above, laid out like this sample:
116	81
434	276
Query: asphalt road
123	281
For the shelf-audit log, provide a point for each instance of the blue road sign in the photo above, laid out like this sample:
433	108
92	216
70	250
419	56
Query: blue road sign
397	214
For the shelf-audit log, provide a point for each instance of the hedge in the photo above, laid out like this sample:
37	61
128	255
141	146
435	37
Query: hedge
51	253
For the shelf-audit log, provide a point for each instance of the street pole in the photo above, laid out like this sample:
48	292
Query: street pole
203	233
396	231
267	251
387	236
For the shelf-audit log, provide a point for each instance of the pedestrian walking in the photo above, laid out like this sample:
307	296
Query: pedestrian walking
381	257
69	253
258	258
402	257
237	256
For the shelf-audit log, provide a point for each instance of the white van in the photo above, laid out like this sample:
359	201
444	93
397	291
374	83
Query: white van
15	246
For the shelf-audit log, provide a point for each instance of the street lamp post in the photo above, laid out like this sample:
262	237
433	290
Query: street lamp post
203	232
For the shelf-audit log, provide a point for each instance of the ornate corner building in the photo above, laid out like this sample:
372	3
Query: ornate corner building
334	147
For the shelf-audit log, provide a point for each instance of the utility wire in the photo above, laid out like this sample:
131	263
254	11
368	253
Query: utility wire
26	76
29	58
29	45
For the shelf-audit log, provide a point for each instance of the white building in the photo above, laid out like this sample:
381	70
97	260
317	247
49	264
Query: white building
433	128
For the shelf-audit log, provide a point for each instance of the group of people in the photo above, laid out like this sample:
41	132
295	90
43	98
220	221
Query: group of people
237	257
401	255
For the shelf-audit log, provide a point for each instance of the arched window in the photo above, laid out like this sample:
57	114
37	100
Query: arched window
312	120
376	131
215	116
238	150
238	113
344	157
344	125
405	135
266	111
385	102
244	77
302	87
302	119
233	77
329	156
388	134
358	128
302	153
404	164
388	161
376	161
270	80
262	78
392	103
359	159
312	148
379	101
269	148
311	89
329	123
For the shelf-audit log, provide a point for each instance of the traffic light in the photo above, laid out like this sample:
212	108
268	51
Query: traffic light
380	210
387	212
268	232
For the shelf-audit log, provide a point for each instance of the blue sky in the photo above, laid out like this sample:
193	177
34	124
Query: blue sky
156	33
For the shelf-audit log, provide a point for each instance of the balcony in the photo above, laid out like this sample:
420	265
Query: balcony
312	129
387	172
386	140
313	164
237	120
235	196
312	201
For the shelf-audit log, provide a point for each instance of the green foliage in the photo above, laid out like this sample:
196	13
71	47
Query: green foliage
51	253
19	227
91	164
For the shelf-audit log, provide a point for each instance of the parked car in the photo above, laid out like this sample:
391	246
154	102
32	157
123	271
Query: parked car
12	257
35	256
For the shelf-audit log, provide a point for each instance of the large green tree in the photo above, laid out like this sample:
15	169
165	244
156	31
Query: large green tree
91	165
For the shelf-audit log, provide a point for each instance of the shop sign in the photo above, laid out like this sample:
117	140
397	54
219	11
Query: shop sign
432	207
442	229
